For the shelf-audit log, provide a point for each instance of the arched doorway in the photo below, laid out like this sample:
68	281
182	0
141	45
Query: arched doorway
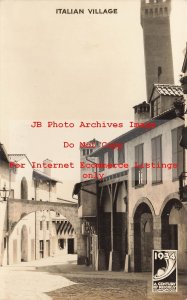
24	189
143	238
24	243
169	231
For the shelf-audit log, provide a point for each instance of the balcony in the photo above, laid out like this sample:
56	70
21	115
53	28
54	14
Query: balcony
183	186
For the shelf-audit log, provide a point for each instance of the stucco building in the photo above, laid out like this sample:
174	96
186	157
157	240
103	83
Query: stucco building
4	184
38	234
137	207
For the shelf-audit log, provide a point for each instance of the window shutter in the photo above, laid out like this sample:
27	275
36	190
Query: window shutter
121	156
180	152
174	152
153	160
133	176
157	158
144	175
136	154
177	152
141	154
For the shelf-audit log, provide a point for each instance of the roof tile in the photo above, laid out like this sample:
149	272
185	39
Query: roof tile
169	89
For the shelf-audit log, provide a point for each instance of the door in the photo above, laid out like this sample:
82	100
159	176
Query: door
70	246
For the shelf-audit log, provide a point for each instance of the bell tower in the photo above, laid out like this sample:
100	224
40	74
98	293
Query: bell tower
155	21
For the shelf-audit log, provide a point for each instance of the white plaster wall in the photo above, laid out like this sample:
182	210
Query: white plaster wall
3	229
17	177
155	193
4	181
45	193
29	222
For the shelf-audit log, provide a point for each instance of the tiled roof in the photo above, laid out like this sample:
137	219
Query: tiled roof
18	156
168	89
38	174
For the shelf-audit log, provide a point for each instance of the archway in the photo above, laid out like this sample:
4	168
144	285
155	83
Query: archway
24	243
169	232
62	235
21	210
143	238
24	189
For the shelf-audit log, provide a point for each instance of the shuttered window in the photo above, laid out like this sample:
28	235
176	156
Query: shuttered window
177	152
111	156
156	107
121	155
101	161
139	174
157	159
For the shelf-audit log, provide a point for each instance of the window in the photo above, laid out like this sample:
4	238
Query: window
111	157
156	107
139	173
139	161
41	225
121	156
177	152
61	243
41	245
101	161
157	159
47	225
24	189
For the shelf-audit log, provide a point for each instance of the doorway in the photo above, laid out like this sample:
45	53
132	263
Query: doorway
70	246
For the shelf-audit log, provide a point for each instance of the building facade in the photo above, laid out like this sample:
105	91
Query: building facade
36	234
4	184
137	205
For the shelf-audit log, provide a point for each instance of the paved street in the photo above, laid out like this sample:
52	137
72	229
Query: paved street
23	282
59	278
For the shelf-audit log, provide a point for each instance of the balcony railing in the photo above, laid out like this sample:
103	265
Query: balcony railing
183	186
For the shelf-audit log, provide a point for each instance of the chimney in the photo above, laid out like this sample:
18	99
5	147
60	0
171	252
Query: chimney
47	171
142	112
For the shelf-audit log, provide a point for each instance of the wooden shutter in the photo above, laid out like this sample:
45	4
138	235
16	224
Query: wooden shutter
133	176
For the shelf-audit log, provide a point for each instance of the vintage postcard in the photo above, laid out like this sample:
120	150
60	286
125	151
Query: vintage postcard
93	139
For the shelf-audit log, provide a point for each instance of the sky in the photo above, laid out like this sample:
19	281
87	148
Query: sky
72	68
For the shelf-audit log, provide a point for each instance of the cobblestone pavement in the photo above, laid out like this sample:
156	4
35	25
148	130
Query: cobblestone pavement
93	285
59	278
108	288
